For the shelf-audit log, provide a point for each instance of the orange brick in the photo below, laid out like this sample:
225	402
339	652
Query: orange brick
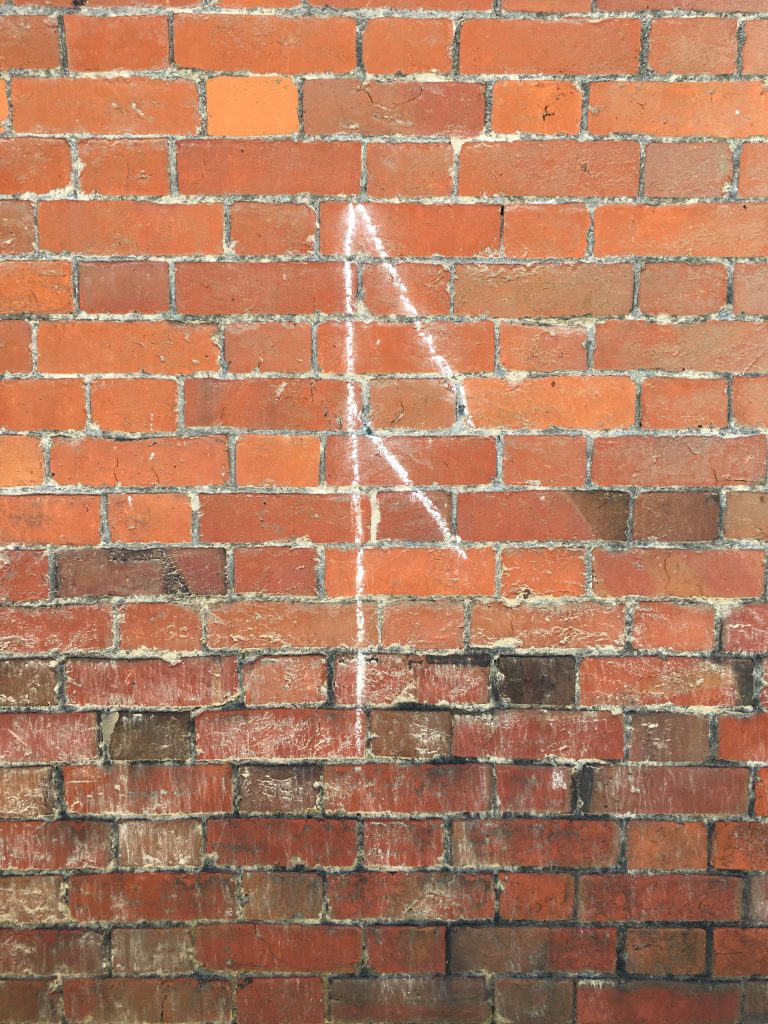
252	106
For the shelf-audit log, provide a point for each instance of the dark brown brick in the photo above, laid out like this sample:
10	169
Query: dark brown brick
27	684
523	1001
416	999
126	572
669	737
292	789
153	736
537	680
283	896
676	515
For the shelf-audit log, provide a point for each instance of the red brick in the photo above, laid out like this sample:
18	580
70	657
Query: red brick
55	845
686	681
107	44
148	789
537	734
752	177
269	404
738	953
680	461
279	947
544	290
94	106
135	406
134	1000
160	627
659	898
406	949
283	843
50	951
666	845
151	896
647	789
567	625
165	518
124	287
415	895
399	844
407	169
386	348
754	44
426	625
268	1000
540	897
674	627
740	846
413	230
678	108
407	46
553	461
34	165
29	42
743	737
406	789
395	678
89	347
425	460
280	734
644	1002
123	166
533	949
542	515
220	288
602	47
546	168
392	108
414	999
679	572
266	625
15	336
687	169
244	167
26	792
42	286
231	42
670	403
403	571
21	459
541	403
169	461
57	628
118	227
28	1002
535	843
31	899
149	682
693	46
699	230
545	108
709	346
148	844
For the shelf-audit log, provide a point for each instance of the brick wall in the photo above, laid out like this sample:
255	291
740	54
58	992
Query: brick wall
383	513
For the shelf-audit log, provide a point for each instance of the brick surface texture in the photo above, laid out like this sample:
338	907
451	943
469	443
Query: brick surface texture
383	512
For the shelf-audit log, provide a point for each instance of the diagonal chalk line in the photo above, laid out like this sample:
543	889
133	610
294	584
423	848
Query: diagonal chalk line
426	336
397	467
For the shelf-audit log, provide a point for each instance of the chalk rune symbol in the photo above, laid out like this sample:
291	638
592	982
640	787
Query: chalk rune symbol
358	218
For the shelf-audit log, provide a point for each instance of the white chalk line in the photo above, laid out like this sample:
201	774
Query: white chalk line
352	414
